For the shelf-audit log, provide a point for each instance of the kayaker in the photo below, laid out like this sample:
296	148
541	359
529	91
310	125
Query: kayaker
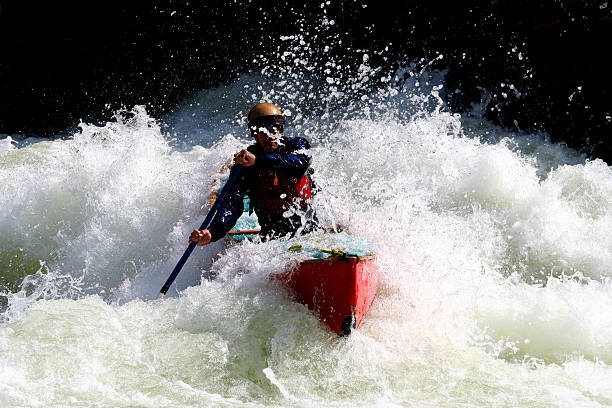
276	177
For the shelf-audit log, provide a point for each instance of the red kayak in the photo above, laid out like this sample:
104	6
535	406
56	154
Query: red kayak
339	289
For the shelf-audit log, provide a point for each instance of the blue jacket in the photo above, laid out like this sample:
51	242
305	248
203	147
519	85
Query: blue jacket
291	159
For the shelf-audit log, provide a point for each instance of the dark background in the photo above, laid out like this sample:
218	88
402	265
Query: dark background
62	62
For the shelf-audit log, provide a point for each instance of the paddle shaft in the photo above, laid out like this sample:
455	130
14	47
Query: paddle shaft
234	173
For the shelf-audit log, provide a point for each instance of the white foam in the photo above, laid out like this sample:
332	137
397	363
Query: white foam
494	257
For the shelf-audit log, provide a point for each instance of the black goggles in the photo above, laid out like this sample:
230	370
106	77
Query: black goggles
272	124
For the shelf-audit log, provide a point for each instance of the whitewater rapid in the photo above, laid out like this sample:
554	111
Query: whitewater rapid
494	249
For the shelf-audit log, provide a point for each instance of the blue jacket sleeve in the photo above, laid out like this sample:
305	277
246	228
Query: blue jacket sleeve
230	210
292	157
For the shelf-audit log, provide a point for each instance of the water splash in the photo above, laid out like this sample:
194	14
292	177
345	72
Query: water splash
494	250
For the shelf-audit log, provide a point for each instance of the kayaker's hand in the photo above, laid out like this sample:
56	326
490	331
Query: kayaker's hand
245	158
201	238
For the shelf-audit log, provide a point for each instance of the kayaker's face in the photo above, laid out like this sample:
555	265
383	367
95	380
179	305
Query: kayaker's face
268	140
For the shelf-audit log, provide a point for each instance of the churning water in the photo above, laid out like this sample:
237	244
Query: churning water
494	248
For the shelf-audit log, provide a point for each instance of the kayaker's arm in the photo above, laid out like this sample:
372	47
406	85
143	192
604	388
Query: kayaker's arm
292	157
230	210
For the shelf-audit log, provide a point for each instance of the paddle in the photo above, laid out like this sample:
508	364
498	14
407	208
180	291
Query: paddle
234	172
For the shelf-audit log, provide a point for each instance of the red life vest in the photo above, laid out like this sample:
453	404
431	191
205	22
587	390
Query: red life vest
277	192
